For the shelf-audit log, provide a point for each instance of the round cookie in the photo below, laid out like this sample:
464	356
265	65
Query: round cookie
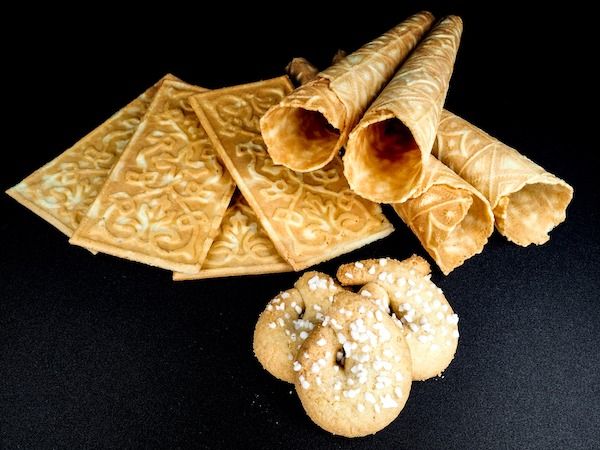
354	370
287	321
429	324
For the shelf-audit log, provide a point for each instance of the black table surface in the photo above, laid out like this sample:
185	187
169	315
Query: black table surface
96	351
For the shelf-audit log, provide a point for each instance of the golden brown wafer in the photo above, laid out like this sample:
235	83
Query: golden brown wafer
303	71
306	129
527	201
61	191
388	149
309	217
165	198
451	218
241	248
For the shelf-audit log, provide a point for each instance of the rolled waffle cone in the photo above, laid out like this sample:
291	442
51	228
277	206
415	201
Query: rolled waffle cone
451	218
307	128
387	151
527	201
303	70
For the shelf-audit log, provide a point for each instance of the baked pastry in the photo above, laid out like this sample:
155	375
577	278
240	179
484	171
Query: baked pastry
307	128
62	190
166	196
451	218
427	319
527	201
310	217
287	321
353	372
388	149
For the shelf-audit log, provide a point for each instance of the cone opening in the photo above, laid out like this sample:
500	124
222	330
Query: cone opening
391	140
304	137
452	223
389	153
533	211
468	236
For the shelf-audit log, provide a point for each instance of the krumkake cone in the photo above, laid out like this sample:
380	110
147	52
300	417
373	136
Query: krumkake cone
304	71
451	218
527	201
307	128
387	151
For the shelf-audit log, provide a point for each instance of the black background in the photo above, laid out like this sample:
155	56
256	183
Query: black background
101	352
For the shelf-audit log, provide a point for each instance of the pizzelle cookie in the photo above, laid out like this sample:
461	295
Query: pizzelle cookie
354	369
310	217
62	190
165	198
287	321
428	322
241	248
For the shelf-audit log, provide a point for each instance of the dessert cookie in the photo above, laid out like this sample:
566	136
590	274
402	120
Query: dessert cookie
287	321
378	295
310	217
353	372
429	324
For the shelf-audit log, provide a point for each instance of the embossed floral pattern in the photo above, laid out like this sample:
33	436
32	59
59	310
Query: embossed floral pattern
450	217
62	190
357	78
166	196
310	217
403	120
242	247
527	201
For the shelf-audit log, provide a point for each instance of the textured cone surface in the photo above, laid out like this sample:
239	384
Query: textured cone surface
451	219
527	201
307	128
387	150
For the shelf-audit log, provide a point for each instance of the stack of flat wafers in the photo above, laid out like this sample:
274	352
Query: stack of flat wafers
180	179
249	179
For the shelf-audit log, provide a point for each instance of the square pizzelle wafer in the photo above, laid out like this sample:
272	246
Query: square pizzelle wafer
62	190
166	196
310	217
241	248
